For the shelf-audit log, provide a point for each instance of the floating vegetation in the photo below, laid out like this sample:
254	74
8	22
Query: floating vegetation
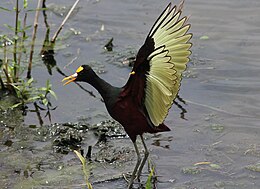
207	163
68	136
204	37
253	150
191	170
108	128
254	167
217	128
199	166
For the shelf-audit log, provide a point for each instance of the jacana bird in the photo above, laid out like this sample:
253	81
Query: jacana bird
142	104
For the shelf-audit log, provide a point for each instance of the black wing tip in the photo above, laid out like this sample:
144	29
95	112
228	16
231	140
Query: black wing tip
177	11
170	9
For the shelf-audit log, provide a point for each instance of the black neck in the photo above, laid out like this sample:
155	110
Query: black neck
104	88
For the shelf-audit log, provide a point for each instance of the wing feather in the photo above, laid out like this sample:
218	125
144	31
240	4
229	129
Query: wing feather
161	34
162	18
167	62
156	75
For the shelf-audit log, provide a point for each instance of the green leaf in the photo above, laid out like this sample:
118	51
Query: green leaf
45	102
53	94
33	99
27	27
42	89
48	85
25	4
89	185
19	25
5	9
42	96
16	37
16	105
84	167
81	158
16	88
148	184
30	81
10	27
48	82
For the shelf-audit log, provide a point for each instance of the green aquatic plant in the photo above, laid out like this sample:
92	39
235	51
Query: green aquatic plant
26	93
84	168
14	60
151	177
149	182
13	41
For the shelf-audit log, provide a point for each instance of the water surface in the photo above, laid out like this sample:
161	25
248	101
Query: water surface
221	88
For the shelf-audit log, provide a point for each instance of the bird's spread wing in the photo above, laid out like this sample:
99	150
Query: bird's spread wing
167	62
160	63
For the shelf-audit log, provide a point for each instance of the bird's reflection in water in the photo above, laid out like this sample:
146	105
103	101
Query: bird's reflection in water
161	141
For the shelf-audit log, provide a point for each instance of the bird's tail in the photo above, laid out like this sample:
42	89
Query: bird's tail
162	128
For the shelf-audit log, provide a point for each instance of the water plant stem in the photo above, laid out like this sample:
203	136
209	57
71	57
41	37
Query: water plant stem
33	39
5	67
21	47
15	38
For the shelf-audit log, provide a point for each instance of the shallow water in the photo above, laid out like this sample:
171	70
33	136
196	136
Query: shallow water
221	88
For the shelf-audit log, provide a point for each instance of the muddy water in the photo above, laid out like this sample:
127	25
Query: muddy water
221	87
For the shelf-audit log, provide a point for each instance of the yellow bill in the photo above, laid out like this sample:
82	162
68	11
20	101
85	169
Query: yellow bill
70	78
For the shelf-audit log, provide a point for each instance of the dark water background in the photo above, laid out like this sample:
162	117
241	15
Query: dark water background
221	87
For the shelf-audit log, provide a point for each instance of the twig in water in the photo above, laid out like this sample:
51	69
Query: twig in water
63	22
73	60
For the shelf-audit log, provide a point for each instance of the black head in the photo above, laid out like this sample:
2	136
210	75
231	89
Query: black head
83	73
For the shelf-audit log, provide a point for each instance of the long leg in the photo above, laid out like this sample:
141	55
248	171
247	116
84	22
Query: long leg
146	154
136	166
